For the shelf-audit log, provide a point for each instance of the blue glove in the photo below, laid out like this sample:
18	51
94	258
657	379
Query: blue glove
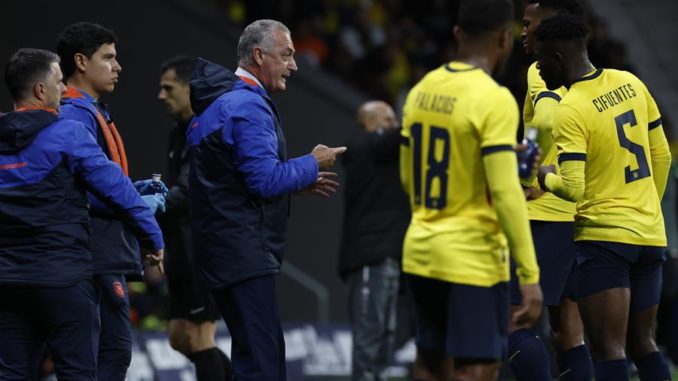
145	187
156	202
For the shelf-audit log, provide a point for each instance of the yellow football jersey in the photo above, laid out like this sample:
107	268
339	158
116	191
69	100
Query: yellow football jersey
605	120
453	116
548	207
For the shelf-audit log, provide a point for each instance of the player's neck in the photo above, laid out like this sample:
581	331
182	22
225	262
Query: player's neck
478	55
580	68
83	85
478	60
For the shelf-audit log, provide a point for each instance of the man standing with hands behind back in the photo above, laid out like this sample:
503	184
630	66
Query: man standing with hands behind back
241	181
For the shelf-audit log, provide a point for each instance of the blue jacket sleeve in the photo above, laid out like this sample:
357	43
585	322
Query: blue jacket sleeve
256	149
105	180
85	117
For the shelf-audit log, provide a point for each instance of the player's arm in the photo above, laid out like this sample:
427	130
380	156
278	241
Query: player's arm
497	135
544	111
509	202
570	138
660	154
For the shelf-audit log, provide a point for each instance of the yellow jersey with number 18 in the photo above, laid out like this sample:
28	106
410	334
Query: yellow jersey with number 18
451	118
605	119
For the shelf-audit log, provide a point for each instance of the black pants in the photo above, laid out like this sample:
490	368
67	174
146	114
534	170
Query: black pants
65	319
250	311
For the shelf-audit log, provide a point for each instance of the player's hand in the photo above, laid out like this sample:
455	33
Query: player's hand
155	258
326	156
543	171
530	309
324	185
537	158
532	193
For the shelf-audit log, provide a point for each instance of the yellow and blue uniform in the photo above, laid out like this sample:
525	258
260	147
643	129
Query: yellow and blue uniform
551	218
614	161
460	172
538	112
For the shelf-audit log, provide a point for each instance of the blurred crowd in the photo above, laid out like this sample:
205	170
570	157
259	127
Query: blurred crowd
383	47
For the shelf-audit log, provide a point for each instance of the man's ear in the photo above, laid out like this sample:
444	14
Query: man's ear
258	56
40	91
505	38
80	61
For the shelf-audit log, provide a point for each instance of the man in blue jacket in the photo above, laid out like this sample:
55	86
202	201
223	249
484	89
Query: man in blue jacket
240	182
47	163
89	64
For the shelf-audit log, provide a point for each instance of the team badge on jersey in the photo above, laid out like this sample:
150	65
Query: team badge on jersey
119	290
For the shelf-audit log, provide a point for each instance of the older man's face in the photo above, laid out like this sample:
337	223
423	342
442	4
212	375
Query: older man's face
278	64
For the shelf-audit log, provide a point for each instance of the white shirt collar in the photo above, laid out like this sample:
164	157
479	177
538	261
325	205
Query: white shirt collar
240	72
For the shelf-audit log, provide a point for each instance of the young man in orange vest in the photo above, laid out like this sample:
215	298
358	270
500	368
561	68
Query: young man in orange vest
88	61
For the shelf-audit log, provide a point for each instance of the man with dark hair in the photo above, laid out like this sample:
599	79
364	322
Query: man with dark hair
47	163
613	161
91	69
241	181
459	130
192	312
552	225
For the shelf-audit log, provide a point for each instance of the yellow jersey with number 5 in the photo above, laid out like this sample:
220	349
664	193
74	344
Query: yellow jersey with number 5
451	118
605	119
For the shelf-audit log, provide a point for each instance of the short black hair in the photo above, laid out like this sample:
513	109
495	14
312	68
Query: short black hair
84	38
25	68
477	17
570	7
562	27
182	65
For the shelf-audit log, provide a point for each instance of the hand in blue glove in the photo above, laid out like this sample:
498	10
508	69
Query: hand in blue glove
144	187
156	202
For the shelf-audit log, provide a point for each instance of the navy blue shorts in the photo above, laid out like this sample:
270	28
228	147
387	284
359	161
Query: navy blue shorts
460	320
554	244
605	265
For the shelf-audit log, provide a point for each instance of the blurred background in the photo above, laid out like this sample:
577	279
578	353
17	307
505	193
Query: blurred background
348	51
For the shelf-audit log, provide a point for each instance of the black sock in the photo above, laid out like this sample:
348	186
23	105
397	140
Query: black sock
209	365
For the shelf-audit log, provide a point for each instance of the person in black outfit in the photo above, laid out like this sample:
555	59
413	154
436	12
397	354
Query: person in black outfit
192	312
376	218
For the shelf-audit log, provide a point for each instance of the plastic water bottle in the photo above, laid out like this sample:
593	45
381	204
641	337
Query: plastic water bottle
156	185
526	157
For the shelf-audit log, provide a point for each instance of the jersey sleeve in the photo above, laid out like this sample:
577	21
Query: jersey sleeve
569	134
499	122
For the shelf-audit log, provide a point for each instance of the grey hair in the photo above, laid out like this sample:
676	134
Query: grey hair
257	34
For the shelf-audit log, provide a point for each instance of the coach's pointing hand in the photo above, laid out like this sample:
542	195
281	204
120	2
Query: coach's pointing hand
325	156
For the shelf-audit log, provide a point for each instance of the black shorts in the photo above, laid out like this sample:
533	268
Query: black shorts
554	245
605	265
459	320
189	303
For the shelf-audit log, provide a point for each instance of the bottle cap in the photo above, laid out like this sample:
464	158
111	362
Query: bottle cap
156	177
531	133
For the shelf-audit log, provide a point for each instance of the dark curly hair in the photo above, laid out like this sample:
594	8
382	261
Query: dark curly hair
478	17
84	38
570	7
562	27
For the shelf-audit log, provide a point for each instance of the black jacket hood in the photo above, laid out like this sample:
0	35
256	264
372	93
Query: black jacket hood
19	129
209	82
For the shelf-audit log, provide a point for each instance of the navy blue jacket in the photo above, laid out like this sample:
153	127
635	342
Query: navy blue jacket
47	163
240	178
114	247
